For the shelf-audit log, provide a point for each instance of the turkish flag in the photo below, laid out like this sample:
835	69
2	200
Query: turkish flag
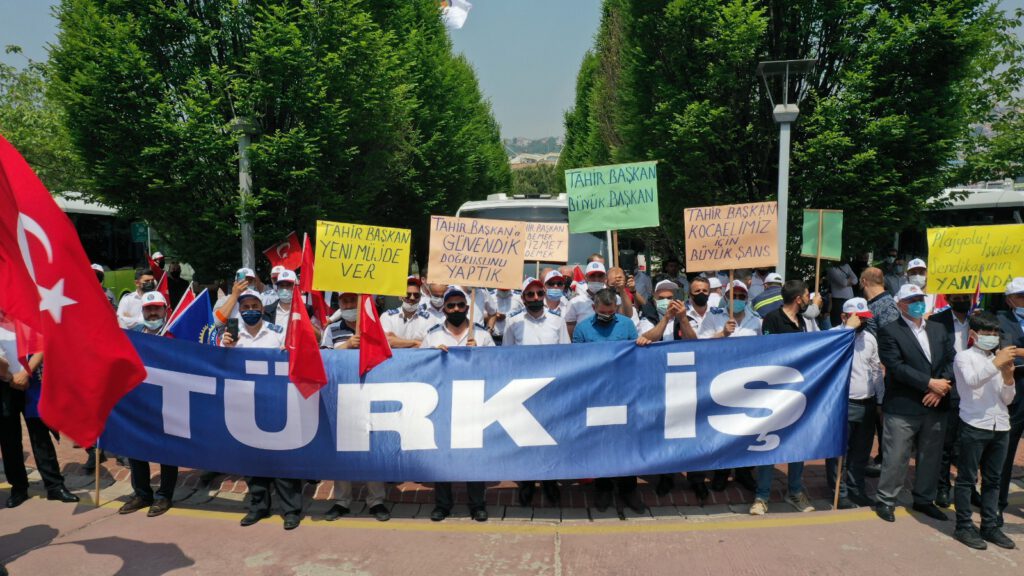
373	343
305	366
161	287
306	278
155	268
47	284
320	307
287	253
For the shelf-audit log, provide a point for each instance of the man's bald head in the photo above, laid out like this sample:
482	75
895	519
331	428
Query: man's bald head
872	277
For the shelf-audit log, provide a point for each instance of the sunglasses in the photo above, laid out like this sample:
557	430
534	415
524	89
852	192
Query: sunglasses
456	306
534	294
413	296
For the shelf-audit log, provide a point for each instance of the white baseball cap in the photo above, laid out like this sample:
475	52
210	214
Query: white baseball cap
97	267
287	275
153	298
1015	286
714	282
454	290
858	306
739	285
666	285
157	255
917	263
249	293
773	278
594	268
530	281
552	275
909	291
276	270
247	272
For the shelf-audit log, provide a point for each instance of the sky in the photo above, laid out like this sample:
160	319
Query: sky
526	53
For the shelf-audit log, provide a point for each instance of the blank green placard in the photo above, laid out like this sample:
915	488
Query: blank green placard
831	234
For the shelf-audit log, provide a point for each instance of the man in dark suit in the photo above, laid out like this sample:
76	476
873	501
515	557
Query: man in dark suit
1011	333
918	359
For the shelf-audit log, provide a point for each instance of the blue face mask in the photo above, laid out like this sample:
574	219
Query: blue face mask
554	293
285	295
916	309
154	324
251	317
662	305
738	306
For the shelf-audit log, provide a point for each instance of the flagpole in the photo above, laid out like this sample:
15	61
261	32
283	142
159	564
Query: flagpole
97	453
839	477
732	294
817	260
615	247
472	309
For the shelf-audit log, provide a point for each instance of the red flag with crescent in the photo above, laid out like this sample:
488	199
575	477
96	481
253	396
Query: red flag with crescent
287	253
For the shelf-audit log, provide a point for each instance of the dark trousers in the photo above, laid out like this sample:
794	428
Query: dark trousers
904	433
860	423
1013	438
951	445
984	450
13	406
289	492
142	482
443	495
624	484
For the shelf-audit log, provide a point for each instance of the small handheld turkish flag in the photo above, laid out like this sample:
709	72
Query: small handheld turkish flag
286	253
373	343
46	283
305	365
306	275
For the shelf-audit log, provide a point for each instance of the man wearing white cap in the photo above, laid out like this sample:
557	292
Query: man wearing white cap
1011	333
555	285
100	274
154	312
340	333
536	324
659	315
866	389
270	292
918	360
917	274
258	333
581	306
407	325
227	307
129	309
279	309
457	331
715	299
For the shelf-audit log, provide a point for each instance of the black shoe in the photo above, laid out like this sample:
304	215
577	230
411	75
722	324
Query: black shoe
134	504
380	512
665	484
90	462
942	498
336	511
159	507
61	494
847	504
17	499
526	491
970	537
996	536
999	519
720	481
700	489
887	513
932	511
634	502
253	517
745	477
603	500
291	521
861	500
976	499
552	493
873	470
439	514
478	514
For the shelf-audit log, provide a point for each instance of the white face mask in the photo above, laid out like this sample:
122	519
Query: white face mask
350	315
595	287
504	293
986	342
409	307
437	301
918	280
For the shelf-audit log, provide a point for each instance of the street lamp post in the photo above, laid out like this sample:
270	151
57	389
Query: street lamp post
785	113
245	128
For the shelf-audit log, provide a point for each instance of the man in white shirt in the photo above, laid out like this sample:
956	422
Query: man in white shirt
866	389
984	377
457	331
433	305
917	274
129	309
407	325
536	324
279	310
555	285
715	299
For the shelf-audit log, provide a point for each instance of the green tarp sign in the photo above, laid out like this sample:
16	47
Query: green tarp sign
617	197
827	225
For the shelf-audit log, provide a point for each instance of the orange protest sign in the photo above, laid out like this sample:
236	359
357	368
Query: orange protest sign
547	242
731	236
476	252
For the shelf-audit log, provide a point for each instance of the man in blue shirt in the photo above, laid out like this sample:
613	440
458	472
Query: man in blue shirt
608	326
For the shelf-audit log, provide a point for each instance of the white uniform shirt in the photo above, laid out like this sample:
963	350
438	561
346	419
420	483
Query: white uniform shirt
563	305
866	377
414	328
922	336
715	300
504	305
282	318
434	315
645	326
129	310
439	334
983	397
269	336
269	296
711	323
749	325
522	328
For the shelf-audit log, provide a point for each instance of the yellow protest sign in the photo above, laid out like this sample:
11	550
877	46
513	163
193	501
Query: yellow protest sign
547	242
476	252
361	259
731	236
957	255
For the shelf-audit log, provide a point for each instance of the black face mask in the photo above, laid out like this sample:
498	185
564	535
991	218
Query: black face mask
700	299
804	307
605	318
960	306
455	318
175	274
534	305
148	286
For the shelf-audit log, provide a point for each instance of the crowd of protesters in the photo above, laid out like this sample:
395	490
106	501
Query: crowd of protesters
935	377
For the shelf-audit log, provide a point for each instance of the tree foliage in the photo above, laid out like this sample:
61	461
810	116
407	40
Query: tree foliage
541	179
883	120
363	115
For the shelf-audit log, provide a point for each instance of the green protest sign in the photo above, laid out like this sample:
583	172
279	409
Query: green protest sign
617	197
826	225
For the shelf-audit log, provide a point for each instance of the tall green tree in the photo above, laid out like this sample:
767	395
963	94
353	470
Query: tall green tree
151	89
884	118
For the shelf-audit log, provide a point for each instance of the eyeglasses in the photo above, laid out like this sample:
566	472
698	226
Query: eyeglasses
534	294
456	306
413	296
